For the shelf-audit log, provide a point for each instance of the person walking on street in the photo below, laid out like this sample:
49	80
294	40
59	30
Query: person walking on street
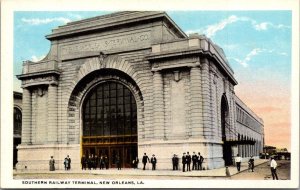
183	162
153	162
251	163
194	160
200	161
144	160
51	164
273	166
188	162
238	161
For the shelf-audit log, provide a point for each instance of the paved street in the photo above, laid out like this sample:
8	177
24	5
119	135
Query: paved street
261	172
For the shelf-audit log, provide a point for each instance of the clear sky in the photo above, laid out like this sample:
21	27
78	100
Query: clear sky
257	45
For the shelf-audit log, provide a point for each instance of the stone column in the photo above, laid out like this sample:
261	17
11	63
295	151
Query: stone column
196	102
52	114
158	105
206	98
26	117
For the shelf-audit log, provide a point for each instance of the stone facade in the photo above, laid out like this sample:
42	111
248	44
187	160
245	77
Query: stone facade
179	84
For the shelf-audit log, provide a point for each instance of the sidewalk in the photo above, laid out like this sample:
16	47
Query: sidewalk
220	172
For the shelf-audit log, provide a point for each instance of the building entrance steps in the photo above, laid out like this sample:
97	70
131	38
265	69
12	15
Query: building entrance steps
220	172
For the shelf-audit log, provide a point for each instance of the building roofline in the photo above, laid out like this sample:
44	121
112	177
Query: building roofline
248	110
111	20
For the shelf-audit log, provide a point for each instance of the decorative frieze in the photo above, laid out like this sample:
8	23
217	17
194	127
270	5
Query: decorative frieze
130	40
43	80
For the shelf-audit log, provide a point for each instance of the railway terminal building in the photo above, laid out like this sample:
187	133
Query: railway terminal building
130	83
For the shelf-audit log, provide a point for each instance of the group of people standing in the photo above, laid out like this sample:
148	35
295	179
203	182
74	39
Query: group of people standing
146	159
187	159
67	163
196	161
93	162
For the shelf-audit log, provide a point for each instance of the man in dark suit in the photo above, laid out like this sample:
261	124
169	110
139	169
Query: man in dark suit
183	162
188	162
194	160
144	160
153	162
200	161
83	162
175	162
69	163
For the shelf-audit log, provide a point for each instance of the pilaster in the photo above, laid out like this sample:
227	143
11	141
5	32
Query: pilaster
196	102
206	98
26	117
158	105
52	114
214	110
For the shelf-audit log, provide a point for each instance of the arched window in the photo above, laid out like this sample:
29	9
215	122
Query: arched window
17	121
109	109
109	114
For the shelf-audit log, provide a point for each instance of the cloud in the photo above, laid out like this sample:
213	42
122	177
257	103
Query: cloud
241	62
248	57
38	21
267	25
261	26
211	30
36	59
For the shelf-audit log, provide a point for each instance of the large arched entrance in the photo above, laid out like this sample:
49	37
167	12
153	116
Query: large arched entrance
227	151
109	120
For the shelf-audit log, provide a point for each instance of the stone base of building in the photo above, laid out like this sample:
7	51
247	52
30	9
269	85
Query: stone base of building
36	157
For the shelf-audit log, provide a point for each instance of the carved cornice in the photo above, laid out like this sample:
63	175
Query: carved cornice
39	80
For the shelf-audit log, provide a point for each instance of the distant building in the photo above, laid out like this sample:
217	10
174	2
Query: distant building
17	124
130	83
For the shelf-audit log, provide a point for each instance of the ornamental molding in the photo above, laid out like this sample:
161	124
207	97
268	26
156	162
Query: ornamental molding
45	80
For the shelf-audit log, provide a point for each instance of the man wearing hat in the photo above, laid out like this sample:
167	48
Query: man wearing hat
194	159
153	162
175	162
144	160
183	162
188	162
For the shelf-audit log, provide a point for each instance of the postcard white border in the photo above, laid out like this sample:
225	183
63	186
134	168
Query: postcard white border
9	6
